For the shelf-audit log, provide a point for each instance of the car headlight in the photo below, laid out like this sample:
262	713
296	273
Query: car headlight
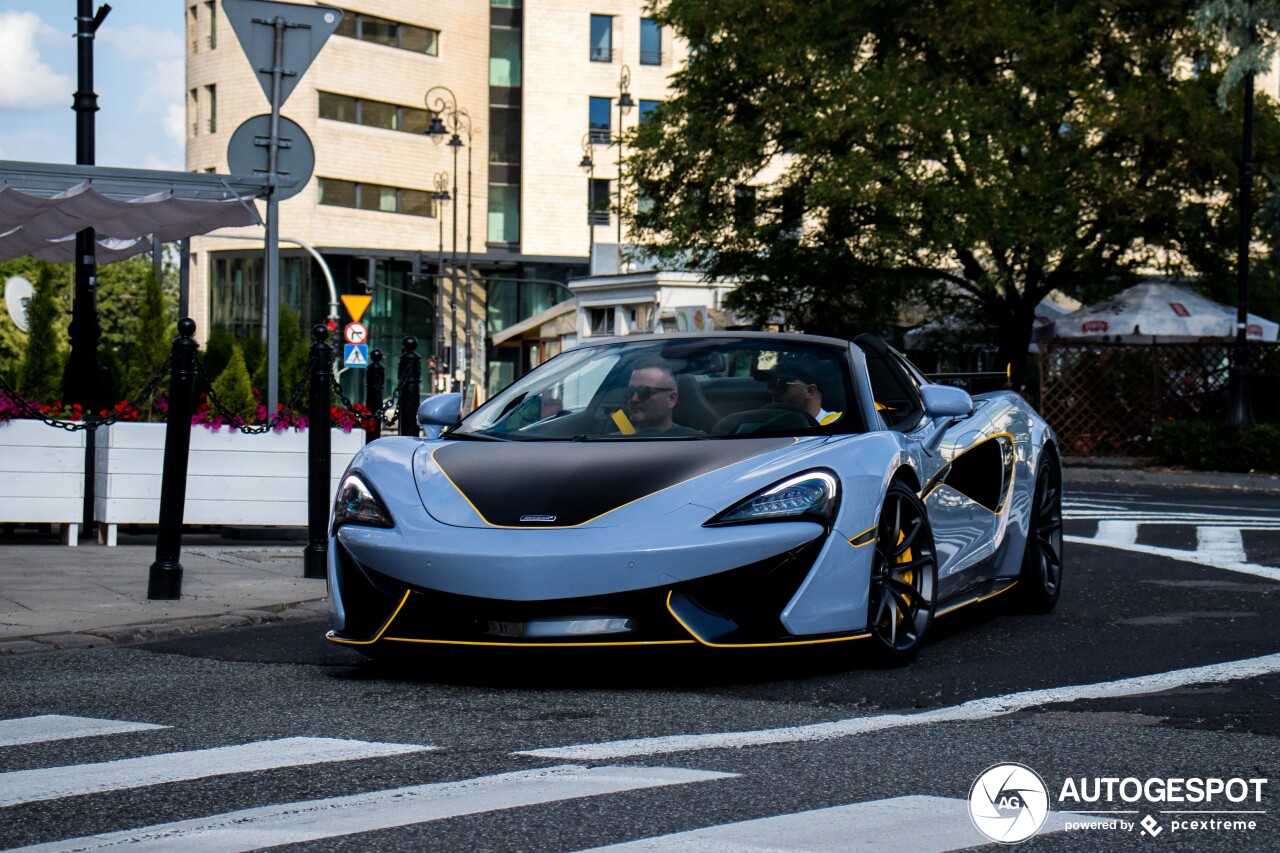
811	496
358	504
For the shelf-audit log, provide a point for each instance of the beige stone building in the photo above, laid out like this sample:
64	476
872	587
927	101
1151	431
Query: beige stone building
532	89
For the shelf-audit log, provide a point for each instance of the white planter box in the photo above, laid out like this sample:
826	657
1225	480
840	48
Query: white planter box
232	478
42	469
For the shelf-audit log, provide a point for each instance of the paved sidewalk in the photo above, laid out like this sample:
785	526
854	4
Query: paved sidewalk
56	597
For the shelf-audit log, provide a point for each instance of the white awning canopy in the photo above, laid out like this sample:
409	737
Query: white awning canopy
43	206
1163	311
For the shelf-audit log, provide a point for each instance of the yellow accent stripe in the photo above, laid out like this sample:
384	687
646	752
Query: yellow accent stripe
956	607
867	536
830	419
381	631
620	418
694	634
493	644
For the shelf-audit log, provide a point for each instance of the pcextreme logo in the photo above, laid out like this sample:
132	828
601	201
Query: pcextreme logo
1008	803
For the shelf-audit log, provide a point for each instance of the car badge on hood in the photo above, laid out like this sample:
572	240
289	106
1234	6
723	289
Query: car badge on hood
537	518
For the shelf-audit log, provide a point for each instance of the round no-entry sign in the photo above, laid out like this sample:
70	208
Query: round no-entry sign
355	333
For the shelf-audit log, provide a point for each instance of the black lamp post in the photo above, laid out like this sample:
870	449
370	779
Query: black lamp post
1239	407
624	106
448	119
588	165
440	197
84	378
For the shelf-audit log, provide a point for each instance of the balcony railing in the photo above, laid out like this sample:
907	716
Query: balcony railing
602	54
651	57
597	217
599	136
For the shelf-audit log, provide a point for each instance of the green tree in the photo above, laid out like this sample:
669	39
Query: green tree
40	376
232	387
987	151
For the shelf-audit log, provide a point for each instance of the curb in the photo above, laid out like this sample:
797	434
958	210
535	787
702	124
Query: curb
120	635
1075	473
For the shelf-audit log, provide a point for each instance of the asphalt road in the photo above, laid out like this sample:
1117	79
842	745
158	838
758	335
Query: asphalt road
889	756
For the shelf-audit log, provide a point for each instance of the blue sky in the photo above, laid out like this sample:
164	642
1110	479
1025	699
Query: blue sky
138	74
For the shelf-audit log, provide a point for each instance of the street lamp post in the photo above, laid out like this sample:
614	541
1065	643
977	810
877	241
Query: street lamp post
588	165
447	119
624	106
440	196
1239	407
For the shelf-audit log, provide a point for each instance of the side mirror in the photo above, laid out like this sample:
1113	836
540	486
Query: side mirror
439	411
946	401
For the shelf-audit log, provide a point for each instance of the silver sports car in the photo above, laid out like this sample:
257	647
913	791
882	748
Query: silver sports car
728	490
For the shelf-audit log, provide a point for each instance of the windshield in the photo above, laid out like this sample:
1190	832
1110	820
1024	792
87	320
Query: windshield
682	388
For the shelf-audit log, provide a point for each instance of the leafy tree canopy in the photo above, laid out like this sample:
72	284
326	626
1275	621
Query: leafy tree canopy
1003	148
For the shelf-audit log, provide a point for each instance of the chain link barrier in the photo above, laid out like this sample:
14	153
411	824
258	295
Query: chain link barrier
118	414
235	421
367	417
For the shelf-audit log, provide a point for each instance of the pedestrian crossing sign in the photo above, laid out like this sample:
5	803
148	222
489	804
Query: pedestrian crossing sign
356	355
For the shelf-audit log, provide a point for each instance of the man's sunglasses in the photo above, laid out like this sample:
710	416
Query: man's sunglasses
644	392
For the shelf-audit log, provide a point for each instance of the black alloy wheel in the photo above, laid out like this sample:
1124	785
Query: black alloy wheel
904	577
1040	581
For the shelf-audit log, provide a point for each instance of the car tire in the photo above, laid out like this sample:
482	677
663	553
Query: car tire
1040	581
904	577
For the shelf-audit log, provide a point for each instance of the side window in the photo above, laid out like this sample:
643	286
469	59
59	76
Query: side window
897	395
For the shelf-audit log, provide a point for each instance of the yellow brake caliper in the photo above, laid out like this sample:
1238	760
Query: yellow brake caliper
908	576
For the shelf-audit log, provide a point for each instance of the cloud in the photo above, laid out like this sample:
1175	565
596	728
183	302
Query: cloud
26	81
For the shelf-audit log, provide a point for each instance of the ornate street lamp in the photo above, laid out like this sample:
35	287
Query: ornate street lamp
440	196
624	106
588	165
448	119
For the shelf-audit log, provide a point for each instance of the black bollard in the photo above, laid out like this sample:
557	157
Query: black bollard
411	374
315	560
165	580
374	381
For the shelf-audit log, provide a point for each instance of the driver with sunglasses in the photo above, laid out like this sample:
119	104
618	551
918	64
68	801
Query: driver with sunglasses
651	398
797	382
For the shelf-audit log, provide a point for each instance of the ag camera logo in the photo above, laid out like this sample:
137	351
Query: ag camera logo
1008	803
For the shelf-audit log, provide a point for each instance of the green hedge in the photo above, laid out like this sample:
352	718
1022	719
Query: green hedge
1206	446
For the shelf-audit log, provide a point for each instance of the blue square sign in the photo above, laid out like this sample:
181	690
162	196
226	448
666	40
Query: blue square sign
356	355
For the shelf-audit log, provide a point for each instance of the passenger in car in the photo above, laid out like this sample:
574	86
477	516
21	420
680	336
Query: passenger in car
797	381
651	398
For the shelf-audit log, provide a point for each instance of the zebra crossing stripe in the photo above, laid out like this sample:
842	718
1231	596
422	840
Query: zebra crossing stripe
916	824
49	727
976	709
1199	557
294	823
27	786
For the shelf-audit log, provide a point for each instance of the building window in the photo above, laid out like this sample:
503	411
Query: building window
599	125
600	321
213	24
744	206
504	214
602	38
211	93
504	135
647	108
371	28
193	28
505	4
193	111
373	113
599	194
384	199
504	57
650	42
